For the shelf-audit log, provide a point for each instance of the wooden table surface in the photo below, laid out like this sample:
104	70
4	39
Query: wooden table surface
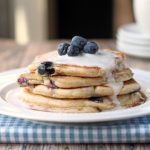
14	56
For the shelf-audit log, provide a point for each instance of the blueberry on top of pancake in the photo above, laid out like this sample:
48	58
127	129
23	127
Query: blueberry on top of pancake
62	48
79	41
73	50
90	47
77	46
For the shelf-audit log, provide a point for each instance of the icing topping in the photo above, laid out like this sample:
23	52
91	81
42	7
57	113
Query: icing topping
117	86
100	59
103	59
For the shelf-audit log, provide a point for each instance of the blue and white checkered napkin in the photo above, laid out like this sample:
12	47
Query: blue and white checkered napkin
14	130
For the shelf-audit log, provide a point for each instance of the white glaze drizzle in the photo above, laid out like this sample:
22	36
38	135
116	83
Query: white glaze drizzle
104	59
117	86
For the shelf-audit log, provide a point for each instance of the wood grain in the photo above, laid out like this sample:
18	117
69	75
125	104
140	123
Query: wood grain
75	147
13	56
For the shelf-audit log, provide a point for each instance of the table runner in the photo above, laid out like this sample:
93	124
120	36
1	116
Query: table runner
14	130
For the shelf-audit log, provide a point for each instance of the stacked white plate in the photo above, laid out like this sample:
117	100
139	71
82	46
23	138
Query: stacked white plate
132	41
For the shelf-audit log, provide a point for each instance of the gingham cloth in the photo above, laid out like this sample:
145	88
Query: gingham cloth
14	130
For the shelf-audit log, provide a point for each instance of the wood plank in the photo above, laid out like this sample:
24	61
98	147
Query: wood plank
74	146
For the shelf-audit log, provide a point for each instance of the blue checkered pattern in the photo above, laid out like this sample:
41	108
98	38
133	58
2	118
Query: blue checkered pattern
13	130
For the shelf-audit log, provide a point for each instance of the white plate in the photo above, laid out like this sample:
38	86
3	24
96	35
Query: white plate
133	31
10	105
140	48
134	50
130	40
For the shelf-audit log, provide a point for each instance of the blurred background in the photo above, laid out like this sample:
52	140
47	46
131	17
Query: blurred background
40	20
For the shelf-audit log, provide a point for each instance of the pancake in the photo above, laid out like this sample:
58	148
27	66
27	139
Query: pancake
64	68
73	70
43	103
60	81
62	110
85	92
129	86
122	75
82	105
132	99
74	82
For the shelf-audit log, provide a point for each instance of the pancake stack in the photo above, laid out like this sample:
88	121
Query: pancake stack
84	83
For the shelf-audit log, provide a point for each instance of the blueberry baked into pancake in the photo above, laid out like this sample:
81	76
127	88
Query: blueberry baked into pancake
80	78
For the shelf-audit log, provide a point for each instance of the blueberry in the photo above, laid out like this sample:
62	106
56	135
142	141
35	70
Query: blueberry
23	81
79	41
50	71
42	69
73	50
46	68
90	47
47	63
62	48
96	99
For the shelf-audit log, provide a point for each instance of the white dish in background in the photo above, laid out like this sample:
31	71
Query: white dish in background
140	48
130	40
132	34
134	50
10	105
141	13
132	31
